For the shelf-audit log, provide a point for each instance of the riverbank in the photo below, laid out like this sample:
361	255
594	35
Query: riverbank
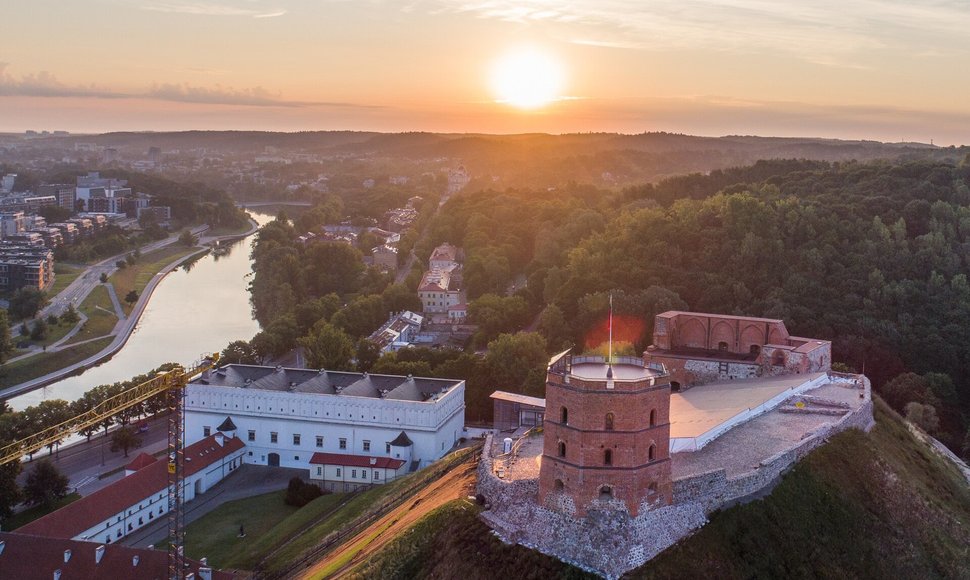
124	329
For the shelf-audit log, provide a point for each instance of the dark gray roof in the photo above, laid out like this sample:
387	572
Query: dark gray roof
323	382
402	440
226	426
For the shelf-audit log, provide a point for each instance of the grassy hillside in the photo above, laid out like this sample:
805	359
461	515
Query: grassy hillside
864	506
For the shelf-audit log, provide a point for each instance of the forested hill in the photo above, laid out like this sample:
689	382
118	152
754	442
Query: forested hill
877	505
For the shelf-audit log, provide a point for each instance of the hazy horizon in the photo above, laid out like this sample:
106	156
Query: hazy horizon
878	70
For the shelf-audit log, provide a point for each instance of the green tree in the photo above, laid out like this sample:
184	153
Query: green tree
26	301
186	238
923	416
125	438
516	362
131	297
45	484
240	352
10	493
53	320
70	316
368	352
553	327
103	277
6	345
40	330
327	347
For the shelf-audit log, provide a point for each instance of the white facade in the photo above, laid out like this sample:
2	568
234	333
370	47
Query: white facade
285	415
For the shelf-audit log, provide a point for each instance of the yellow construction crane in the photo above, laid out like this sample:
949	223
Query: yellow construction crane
172	383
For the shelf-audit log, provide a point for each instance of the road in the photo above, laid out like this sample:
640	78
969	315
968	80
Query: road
84	462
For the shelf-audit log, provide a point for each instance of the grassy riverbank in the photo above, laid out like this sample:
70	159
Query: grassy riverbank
138	276
39	365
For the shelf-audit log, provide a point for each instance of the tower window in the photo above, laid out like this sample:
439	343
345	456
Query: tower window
722	345
565	416
562	449
608	457
652	452
559	485
653	417
609	421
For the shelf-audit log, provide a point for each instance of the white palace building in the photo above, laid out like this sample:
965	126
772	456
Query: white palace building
385	425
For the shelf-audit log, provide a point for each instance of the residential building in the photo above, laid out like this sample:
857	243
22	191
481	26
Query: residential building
68	231
286	415
398	332
11	222
22	266
436	292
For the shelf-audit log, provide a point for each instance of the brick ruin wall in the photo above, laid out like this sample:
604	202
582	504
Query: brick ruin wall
610	542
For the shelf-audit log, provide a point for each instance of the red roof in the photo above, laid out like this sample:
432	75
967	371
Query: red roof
143	460
28	557
76	517
355	461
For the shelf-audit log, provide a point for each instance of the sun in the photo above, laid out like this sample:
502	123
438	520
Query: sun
527	79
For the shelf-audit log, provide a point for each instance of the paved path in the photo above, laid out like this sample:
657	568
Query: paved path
119	312
247	481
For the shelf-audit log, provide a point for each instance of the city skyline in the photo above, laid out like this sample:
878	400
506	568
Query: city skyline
878	69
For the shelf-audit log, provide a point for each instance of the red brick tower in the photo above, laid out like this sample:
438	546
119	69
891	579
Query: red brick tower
606	435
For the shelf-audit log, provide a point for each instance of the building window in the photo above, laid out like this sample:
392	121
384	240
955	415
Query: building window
609	421
273	436
353	474
363	474
366	445
387	448
338	472
319	441
206	431
296	458
722	346
559	486
606	492
778	358
608	457
296	439
377	475
562	449
252	435
653	417
652	452
564	416
319	470
343	443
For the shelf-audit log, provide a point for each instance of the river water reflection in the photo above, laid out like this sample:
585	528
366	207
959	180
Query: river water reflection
193	311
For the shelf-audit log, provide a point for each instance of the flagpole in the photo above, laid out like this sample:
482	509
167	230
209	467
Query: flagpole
610	359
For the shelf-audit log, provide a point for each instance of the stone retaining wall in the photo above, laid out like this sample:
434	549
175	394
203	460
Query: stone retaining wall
608	541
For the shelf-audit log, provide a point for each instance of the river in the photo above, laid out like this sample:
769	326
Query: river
194	311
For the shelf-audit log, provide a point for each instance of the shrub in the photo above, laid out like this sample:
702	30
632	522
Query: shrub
299	492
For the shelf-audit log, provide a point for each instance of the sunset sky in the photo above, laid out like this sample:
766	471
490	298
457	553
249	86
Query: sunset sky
877	69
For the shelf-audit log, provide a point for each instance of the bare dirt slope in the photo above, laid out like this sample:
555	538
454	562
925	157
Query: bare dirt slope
457	483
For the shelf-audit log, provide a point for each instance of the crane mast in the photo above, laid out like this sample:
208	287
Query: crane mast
170	383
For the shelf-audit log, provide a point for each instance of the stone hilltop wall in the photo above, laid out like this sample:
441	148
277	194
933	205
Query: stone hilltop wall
609	541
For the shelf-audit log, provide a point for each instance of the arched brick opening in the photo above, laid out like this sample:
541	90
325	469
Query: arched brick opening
652	452
778	358
564	416
608	457
653	417
606	492
559	486
609	422
674	387
562	449
692	334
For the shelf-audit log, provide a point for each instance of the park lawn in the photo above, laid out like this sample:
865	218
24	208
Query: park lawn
54	333
138	276
216	535
39	365
63	276
287	528
36	512
101	317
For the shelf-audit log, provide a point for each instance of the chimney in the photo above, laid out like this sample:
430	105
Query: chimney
134	560
220	439
67	556
57	574
3	544
98	554
205	573
373	461
204	561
